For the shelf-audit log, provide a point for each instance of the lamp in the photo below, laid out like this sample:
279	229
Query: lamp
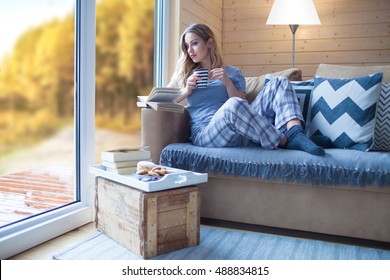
293	13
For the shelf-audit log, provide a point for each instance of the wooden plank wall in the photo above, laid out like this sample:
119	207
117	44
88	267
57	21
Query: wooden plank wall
202	11
352	32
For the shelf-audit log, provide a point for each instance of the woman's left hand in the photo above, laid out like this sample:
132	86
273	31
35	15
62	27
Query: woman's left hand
218	74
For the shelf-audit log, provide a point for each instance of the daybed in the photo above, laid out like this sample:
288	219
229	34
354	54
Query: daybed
345	193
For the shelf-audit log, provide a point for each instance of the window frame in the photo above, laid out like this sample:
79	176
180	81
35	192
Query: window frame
33	231
161	39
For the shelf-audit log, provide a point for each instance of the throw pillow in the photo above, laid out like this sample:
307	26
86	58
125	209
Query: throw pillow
255	84
303	89
382	121
344	110
346	71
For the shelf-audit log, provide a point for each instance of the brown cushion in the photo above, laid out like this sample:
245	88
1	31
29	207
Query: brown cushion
255	84
342	71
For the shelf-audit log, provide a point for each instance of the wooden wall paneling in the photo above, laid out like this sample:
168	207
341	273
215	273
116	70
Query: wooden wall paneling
203	11
353	32
343	44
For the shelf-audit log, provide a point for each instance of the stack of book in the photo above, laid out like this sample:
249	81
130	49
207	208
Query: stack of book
124	160
162	99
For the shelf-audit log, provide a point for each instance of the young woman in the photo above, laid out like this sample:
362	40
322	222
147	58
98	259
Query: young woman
219	114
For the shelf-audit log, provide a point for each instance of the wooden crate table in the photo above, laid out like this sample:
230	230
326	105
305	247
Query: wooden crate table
148	223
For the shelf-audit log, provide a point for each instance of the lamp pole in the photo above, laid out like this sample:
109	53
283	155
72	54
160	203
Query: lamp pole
293	28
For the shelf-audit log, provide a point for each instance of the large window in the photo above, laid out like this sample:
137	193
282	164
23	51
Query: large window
46	120
62	90
37	108
124	70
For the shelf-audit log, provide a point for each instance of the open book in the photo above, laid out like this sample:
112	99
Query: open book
163	94
162	99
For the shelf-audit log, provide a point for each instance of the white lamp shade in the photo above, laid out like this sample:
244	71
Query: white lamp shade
293	12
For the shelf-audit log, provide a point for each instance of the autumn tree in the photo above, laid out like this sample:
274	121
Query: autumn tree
37	78
124	52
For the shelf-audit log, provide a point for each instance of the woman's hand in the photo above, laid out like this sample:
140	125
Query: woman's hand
190	86
191	82
219	74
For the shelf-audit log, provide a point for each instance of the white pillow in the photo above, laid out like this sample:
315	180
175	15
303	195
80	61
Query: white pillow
344	110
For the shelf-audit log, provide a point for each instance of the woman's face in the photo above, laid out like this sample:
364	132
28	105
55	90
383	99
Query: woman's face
198	49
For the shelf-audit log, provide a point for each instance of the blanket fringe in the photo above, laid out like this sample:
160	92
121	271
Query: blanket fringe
303	174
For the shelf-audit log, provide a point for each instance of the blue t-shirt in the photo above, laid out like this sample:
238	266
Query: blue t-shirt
203	103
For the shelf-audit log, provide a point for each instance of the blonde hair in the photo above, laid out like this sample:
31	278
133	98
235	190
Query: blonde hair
185	65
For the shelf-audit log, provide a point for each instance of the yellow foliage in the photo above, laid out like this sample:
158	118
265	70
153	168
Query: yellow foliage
37	78
21	128
119	122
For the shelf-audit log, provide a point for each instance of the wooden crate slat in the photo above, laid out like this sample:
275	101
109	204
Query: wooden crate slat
148	224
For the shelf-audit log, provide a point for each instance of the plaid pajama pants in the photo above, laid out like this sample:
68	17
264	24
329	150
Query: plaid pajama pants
263	122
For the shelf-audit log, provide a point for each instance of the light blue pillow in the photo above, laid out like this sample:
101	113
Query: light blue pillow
382	121
344	110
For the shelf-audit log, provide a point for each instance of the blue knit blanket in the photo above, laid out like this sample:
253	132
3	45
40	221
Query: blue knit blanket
337	167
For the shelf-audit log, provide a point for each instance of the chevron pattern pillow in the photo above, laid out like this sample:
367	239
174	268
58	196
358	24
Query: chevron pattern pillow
344	110
382	122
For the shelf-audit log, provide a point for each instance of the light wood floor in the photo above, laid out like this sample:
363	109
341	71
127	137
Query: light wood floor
46	250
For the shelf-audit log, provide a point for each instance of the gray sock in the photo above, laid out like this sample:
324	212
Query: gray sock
297	140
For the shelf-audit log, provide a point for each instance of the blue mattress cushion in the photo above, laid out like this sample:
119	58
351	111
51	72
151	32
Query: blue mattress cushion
337	167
